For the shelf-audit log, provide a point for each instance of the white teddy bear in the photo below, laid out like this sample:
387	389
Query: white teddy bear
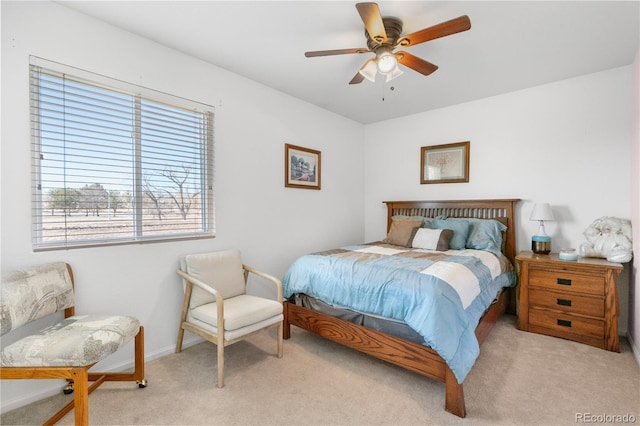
608	237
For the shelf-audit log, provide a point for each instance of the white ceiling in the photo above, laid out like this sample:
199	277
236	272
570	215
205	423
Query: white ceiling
511	45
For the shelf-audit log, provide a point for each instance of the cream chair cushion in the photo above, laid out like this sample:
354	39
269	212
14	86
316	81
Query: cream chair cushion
242	315
222	270
239	311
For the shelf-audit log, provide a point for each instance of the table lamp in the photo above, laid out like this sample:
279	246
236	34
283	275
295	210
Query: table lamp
541	242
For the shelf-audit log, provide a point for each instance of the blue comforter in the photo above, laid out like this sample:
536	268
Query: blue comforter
441	295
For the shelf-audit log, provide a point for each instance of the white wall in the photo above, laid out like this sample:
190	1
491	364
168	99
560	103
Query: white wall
271	224
634	281
566	143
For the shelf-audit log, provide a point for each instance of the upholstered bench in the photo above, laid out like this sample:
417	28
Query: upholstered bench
68	349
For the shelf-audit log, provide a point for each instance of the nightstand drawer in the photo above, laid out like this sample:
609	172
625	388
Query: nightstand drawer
567	281
566	302
566	323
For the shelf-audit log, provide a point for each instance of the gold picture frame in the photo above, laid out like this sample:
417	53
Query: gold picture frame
447	163
301	167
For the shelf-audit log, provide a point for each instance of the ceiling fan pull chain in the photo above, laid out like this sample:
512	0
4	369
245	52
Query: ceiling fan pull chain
392	88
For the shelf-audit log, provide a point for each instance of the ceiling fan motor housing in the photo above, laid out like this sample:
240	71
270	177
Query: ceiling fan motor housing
393	28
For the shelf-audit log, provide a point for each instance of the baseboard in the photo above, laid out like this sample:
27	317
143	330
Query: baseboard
48	388
51	388
634	349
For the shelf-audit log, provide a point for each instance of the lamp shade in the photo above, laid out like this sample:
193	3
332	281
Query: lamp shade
386	62
396	72
369	70
541	211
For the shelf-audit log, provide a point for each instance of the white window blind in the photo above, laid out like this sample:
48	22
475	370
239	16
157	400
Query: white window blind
116	163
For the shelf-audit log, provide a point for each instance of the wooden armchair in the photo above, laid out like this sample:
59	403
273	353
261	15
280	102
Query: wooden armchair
68	349
216	306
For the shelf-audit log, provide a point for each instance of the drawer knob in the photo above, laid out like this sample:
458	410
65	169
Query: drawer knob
564	323
563	302
563	281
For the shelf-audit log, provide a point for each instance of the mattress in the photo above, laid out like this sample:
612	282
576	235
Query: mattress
394	328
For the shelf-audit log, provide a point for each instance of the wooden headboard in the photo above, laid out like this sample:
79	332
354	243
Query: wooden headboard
480	209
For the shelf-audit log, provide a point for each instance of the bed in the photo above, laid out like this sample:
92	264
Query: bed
393	339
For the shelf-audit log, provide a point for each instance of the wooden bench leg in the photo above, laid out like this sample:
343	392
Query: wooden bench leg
81	397
137	375
81	378
80	403
454	395
139	357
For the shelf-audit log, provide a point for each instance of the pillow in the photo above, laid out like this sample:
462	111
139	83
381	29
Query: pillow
432	239
426	220
460	230
484	234
401	231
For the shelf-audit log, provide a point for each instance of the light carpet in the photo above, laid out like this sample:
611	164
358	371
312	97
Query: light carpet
519	378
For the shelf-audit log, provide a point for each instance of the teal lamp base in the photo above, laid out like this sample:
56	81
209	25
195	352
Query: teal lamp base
541	244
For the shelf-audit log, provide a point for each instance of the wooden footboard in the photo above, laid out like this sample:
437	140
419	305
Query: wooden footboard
412	356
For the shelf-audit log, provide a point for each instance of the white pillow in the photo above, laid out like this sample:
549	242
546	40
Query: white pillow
432	239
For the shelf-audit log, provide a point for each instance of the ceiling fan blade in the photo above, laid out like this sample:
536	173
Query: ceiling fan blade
457	25
415	63
335	52
370	14
357	79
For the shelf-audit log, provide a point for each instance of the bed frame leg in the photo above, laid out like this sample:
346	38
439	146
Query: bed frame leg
454	395
286	327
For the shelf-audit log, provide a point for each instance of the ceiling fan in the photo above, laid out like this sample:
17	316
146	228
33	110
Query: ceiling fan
384	36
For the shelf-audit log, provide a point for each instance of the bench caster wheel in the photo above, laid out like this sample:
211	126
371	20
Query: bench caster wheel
142	383
68	389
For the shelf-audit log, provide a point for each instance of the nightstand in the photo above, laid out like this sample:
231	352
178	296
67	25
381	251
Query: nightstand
575	300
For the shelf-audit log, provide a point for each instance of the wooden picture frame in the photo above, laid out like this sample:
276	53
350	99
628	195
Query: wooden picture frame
301	167
447	163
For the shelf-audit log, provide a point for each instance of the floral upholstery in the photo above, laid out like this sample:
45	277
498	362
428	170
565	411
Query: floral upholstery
76	341
28	295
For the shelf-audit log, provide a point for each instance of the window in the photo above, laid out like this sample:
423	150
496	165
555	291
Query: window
116	163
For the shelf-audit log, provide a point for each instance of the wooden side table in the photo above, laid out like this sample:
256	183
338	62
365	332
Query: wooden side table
575	300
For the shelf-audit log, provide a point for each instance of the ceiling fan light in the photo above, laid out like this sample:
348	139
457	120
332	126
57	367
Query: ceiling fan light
387	62
396	72
369	70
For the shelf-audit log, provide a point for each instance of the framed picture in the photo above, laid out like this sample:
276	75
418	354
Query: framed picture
447	163
301	167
